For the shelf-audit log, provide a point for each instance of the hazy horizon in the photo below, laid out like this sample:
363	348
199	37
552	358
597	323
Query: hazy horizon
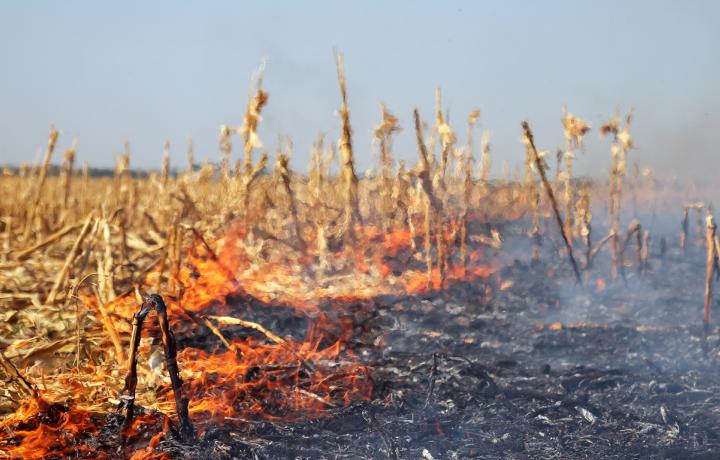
166	71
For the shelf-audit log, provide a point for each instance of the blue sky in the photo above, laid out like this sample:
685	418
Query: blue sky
151	71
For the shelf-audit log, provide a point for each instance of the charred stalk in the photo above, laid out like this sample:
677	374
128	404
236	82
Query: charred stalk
150	303
128	398
551	196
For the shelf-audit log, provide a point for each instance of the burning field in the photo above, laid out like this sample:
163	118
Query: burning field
425	311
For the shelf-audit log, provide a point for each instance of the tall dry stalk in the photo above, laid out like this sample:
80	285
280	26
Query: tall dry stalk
383	134
281	167
105	265
574	129
468	160
251	141
84	187
256	101
351	214
247	182
433	206
622	142
532	195
122	179
645	253
400	197
32	212
319	169
445	134
165	174
190	156
225	151
584	223
685	225
540	166
709	267
485	164
447	139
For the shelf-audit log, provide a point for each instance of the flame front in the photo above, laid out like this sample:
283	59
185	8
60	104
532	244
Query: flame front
249	377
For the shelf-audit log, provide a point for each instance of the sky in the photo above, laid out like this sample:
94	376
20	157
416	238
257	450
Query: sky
147	72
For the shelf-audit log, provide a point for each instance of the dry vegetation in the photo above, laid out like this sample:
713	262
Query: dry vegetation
78	253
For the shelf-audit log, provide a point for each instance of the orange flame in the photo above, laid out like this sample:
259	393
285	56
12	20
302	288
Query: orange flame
252	379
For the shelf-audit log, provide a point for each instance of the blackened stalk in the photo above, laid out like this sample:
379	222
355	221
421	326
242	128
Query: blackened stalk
684	228
128	400
541	170
170	346
155	302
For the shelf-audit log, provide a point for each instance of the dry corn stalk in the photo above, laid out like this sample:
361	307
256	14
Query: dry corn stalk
24	253
383	133
400	197
485	160
685	225
349	179
85	180
252	117
584	221
622	142
67	171
540	165
74	251
190	156
645	253
281	166
445	134
166	163
319	169
532	194
468	160
225	151
32	212
575	129
122	176
176	256
709	267
433	206
247	181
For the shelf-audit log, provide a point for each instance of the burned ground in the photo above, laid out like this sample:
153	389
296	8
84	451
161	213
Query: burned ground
523	365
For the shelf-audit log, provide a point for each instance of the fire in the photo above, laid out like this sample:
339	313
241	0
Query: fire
378	270
245	378
234	385
41	430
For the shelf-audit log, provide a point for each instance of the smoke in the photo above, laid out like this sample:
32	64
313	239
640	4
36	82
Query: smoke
686	147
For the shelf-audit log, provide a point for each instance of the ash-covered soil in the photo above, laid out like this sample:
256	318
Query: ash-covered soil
524	365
